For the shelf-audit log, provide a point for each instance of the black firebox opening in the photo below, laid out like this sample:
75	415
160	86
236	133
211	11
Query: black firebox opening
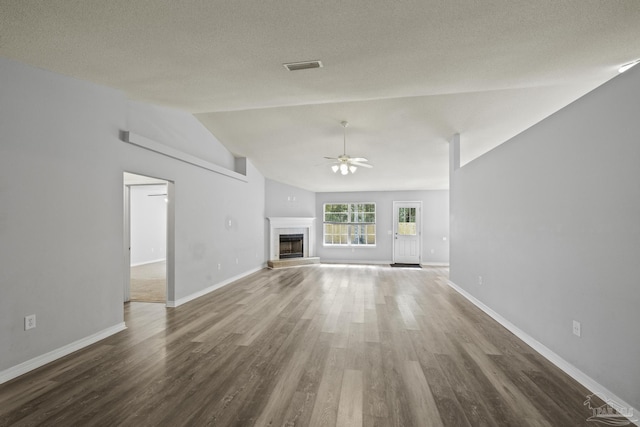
291	246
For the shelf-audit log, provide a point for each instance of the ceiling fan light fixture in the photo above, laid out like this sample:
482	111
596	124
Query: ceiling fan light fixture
345	163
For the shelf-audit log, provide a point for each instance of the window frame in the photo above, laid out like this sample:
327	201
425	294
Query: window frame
351	215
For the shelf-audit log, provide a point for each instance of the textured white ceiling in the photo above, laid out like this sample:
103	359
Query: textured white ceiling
405	74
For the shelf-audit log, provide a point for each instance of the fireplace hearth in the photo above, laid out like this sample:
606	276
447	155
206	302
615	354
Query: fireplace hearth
291	246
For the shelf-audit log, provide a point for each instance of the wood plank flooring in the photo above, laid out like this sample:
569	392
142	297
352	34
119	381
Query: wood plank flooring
322	345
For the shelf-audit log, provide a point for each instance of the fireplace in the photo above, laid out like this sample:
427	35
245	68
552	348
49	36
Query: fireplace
279	226
291	246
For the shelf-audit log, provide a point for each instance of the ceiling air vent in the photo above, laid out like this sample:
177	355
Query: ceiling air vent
295	66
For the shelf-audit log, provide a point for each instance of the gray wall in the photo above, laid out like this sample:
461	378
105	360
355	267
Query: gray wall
551	221
61	210
61	215
204	202
282	200
435	226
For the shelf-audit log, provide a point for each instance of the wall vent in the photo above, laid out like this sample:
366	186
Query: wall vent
306	65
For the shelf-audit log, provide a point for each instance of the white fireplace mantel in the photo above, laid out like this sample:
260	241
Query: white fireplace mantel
282	225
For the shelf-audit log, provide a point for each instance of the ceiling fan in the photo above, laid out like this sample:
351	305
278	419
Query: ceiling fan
346	163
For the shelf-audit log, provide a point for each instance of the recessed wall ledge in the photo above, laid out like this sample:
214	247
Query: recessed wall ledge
157	147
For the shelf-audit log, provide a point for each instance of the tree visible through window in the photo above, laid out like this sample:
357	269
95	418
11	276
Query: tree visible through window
407	221
349	224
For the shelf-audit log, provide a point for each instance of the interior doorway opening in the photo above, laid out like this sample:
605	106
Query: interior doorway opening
148	240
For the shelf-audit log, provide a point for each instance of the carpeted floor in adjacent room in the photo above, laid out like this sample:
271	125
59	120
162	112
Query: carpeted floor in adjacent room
148	282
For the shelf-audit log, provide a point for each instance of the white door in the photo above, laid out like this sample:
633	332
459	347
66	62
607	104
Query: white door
406	232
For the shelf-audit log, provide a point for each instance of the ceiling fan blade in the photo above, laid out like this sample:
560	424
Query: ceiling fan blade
331	158
358	159
364	165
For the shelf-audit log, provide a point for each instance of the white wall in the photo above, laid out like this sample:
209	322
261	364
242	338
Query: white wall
181	130
551	221
61	215
60	210
435	226
148	223
205	202
283	200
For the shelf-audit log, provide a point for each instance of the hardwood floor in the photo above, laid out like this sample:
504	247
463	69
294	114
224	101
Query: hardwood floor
321	345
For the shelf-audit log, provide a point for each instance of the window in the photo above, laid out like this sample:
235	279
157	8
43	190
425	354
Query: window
407	221
349	224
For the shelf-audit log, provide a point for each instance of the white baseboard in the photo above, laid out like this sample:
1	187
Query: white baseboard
547	353
353	261
435	264
347	261
36	362
212	288
148	262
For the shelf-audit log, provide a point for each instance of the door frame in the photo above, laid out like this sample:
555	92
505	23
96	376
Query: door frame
170	238
127	243
418	205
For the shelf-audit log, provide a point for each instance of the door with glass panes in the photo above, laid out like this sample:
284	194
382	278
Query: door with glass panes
406	232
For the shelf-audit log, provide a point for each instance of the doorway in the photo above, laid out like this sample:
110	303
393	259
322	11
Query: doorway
407	232
148	239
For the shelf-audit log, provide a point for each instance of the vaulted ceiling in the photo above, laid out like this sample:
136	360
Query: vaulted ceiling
406	74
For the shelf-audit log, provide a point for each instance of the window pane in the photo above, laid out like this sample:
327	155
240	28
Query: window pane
355	235
336	212
407	228
362	212
407	221
371	234
335	217
336	207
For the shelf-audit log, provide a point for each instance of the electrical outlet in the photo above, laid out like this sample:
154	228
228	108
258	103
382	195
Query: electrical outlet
236	260
29	322
576	328
479	280
219	266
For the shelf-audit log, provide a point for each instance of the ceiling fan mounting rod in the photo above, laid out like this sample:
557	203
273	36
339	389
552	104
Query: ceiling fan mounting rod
344	124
